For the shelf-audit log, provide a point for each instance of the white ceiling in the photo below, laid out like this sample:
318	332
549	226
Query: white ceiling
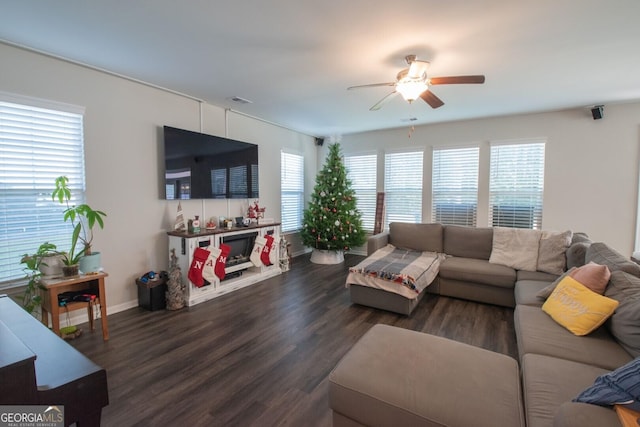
294	59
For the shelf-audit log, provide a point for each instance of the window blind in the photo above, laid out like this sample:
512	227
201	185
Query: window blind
455	185
516	185
218	183
361	171
292	191
254	181
238	185
403	186
36	146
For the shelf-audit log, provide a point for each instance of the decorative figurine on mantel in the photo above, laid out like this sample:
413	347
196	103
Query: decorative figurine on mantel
255	211
179	223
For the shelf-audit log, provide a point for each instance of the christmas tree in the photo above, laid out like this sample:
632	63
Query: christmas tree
332	221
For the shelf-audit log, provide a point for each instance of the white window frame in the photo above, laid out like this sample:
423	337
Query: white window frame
454	185
403	186
291	191
39	141
516	183
362	173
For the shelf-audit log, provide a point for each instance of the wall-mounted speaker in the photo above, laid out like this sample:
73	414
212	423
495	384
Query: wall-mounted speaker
319	142
597	112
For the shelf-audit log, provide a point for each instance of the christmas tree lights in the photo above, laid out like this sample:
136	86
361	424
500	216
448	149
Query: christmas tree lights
331	221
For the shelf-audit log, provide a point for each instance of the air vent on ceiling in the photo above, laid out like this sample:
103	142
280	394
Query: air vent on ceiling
240	100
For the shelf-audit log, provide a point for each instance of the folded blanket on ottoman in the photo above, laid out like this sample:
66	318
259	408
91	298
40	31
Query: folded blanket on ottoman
401	271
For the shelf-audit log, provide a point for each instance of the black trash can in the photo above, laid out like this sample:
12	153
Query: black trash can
151	293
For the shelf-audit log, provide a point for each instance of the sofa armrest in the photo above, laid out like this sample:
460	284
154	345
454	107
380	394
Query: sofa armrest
377	241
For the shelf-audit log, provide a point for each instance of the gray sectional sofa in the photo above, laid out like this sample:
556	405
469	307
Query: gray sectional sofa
554	365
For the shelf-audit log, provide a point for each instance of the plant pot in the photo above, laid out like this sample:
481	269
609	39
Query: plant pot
320	256
51	265
91	263
70	270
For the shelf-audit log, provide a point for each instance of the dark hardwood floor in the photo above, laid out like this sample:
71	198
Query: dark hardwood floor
260	356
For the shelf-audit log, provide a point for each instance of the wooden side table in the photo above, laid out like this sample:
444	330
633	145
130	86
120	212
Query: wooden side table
57	285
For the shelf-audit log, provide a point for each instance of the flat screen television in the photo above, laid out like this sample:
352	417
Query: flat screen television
200	166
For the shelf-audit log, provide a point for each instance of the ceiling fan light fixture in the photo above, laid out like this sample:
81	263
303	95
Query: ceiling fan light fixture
410	89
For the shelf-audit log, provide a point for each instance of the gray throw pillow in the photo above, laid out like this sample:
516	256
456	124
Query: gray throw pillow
625	322
551	251
601	253
576	254
546	291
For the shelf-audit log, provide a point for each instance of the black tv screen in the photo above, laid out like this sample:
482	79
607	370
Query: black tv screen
200	166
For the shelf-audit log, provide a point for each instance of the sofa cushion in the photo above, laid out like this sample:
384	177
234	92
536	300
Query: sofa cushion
536	332
548	382
535	275
468	242
574	414
576	254
551	251
420	237
580	237
477	271
600	253
625	322
578	308
515	247
526	292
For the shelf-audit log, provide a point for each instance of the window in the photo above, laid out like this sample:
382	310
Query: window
361	171
516	185
403	186
455	186
292	191
36	145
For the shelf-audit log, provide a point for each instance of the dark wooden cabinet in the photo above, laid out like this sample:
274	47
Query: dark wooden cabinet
38	367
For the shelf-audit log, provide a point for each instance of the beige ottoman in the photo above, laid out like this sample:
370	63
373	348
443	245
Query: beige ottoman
397	377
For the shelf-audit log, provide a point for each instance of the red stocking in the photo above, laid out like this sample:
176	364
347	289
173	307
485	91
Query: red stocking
222	260
200	256
264	256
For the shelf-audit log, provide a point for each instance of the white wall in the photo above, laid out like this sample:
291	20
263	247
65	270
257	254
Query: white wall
591	166
124	159
591	179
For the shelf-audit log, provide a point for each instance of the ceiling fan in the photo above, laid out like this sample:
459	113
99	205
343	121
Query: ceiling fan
412	83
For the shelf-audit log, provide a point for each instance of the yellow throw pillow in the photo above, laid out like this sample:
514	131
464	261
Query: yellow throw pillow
578	308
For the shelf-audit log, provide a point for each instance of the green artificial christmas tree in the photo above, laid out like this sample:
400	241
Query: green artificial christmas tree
331	221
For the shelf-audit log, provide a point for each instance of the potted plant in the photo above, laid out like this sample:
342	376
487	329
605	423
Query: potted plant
33	272
50	259
83	219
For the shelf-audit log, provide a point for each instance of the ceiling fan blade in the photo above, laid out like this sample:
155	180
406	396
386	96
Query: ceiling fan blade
418	68
452	80
383	101
428	97
372	85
